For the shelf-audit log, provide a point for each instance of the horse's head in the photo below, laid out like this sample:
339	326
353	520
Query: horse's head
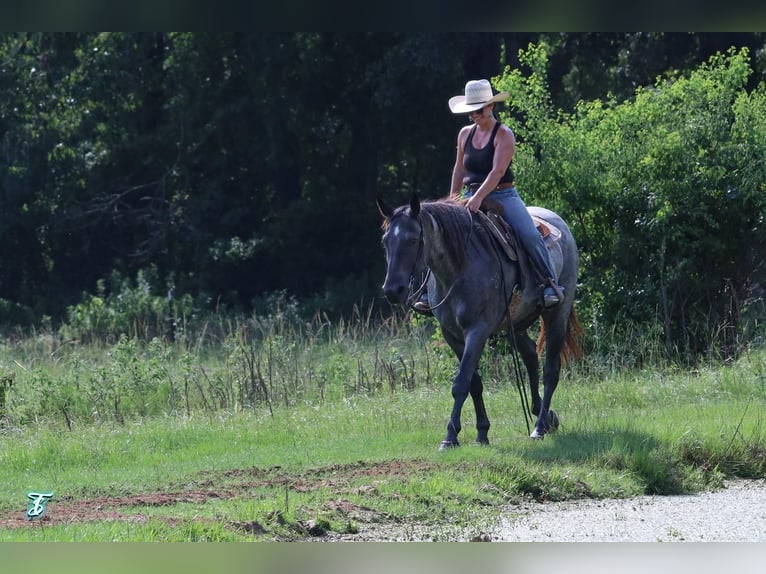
403	245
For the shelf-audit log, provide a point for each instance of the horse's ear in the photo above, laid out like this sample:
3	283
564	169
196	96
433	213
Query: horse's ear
385	210
414	204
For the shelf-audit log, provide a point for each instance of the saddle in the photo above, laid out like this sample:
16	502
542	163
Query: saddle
492	218
505	238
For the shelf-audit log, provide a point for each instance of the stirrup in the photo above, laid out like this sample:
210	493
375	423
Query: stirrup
552	296
423	308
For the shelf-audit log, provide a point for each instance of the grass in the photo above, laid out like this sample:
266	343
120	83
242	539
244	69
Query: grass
348	444
637	447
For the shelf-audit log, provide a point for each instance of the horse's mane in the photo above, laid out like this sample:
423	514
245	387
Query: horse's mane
457	227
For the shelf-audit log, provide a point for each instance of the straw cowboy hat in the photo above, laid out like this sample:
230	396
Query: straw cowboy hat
478	93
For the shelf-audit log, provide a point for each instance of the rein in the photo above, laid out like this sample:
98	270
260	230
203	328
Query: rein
519	378
523	396
416	295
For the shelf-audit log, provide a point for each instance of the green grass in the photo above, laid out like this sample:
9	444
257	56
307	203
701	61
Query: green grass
639	433
344	437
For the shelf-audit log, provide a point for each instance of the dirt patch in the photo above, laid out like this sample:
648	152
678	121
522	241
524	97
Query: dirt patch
69	511
239	483
736	513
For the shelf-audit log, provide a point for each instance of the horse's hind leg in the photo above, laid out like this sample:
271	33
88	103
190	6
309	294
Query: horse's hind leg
550	382
554	343
528	351
482	420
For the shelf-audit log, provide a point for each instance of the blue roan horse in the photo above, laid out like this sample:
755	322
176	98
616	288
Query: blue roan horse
471	291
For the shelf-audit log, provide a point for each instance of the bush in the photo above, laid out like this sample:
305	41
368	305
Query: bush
124	307
664	194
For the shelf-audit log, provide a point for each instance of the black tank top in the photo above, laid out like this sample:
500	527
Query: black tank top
478	162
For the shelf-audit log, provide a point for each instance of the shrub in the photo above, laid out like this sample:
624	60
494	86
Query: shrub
125	307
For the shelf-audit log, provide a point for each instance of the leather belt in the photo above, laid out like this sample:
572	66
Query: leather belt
472	187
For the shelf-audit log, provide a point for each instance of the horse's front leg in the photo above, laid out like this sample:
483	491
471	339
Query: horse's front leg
469	354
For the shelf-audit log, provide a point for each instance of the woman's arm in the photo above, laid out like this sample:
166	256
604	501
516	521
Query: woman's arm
458	171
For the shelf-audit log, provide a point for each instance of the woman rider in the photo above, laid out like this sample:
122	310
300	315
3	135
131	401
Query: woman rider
482	169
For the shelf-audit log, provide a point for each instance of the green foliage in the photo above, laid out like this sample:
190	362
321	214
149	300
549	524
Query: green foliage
235	163
663	192
128	308
131	382
121	359
242	164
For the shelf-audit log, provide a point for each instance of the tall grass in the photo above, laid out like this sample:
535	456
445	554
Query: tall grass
228	364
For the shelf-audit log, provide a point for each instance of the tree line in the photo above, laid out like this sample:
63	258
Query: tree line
230	166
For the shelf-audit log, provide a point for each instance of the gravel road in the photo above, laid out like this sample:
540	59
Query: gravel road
734	514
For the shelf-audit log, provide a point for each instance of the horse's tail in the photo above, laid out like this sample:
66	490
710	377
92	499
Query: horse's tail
572	341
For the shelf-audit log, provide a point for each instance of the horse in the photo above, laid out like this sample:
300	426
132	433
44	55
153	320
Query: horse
476	291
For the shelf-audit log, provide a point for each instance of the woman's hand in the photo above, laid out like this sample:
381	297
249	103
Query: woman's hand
473	204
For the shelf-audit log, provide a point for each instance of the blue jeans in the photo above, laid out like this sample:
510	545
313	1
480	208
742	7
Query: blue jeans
516	215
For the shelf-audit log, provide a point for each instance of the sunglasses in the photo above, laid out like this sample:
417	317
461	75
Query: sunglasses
478	112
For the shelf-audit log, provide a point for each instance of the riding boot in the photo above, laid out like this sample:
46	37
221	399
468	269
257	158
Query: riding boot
552	294
422	305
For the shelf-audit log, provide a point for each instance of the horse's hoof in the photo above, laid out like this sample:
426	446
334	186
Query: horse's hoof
484	442
537	435
553	421
447	444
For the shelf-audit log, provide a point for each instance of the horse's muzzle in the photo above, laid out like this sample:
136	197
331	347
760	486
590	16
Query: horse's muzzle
396	294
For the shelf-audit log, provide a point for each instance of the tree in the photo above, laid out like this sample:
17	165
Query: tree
239	164
664	193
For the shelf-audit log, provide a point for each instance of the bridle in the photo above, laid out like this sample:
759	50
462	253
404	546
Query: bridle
414	295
